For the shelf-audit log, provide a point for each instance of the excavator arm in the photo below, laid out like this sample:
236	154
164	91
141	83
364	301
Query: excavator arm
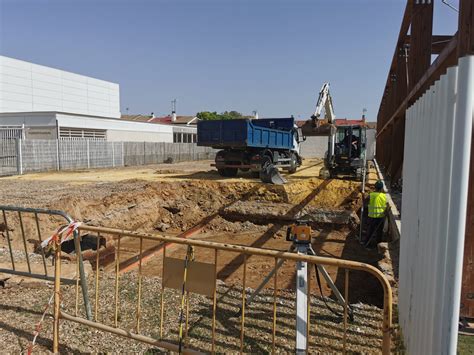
325	101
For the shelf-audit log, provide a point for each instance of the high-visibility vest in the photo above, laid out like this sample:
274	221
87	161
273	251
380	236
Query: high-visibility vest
377	204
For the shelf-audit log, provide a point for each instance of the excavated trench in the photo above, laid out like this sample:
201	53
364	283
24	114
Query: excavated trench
244	213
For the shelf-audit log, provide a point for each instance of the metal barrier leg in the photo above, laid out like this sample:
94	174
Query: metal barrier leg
85	294
57	297
40	240
8	239
24	241
301	302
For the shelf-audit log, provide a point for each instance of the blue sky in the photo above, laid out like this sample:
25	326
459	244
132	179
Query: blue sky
218	55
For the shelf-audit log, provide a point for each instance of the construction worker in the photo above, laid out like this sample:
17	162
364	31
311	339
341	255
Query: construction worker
377	208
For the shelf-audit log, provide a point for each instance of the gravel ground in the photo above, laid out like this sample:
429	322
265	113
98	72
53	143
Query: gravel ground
22	305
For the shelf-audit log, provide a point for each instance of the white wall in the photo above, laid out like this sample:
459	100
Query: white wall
435	185
28	87
314	147
28	119
371	143
139	136
119	130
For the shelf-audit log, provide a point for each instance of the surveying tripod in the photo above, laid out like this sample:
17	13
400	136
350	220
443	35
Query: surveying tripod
300	236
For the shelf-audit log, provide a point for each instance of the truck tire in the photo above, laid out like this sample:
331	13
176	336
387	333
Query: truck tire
228	172
293	163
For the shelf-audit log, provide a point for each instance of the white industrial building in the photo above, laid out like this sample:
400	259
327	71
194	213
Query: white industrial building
50	103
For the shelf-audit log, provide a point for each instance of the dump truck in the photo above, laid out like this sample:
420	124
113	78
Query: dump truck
261	146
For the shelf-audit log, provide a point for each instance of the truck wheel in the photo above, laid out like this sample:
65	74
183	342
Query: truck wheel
293	164
229	172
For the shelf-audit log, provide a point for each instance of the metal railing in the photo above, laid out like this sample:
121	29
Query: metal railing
207	273
8	156
13	225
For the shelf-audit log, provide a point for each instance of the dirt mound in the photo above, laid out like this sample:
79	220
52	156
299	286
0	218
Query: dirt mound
168	206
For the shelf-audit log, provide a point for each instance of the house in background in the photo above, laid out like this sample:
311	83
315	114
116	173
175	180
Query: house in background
184	127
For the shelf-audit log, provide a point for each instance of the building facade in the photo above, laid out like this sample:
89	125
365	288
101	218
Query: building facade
48	103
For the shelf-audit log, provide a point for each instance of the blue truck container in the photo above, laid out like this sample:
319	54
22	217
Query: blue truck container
263	133
248	144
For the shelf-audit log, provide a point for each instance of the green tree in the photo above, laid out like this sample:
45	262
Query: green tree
226	115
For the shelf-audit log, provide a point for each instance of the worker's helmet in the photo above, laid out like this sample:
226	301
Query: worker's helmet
379	185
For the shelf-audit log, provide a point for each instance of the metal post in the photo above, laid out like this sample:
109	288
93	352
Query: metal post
58	155
82	274
123	155
88	155
113	154
301	301
364	173
19	156
57	300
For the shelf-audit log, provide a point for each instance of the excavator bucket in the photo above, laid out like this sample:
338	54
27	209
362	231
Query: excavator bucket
324	173
271	175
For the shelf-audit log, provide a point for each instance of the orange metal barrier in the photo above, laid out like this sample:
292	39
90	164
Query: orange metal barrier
202	279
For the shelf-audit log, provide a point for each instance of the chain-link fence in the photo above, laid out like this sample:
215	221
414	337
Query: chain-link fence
18	156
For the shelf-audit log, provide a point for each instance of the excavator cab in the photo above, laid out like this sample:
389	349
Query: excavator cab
349	151
350	142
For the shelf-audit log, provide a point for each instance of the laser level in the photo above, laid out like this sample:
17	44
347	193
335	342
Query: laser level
299	233
300	236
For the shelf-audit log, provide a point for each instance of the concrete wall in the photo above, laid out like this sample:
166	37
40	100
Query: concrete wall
371	133
314	147
138	136
40	132
28	87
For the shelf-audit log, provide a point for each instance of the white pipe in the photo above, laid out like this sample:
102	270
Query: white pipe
458	206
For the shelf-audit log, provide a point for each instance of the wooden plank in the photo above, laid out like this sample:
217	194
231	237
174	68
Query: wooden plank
421	32
446	59
467	288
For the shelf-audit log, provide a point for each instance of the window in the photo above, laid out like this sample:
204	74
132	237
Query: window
181	137
65	132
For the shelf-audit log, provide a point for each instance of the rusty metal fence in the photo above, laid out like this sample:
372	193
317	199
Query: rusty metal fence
220	322
24	230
